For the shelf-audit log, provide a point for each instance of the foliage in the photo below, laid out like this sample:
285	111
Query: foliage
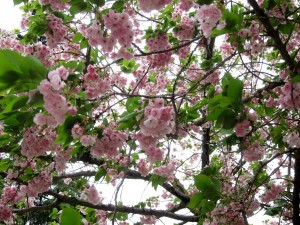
197	101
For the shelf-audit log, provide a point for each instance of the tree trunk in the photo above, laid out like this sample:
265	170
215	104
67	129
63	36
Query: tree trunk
296	191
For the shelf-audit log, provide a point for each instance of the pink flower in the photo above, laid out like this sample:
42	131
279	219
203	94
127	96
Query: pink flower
87	140
208	16
148	219
143	168
5	213
241	128
92	195
147	6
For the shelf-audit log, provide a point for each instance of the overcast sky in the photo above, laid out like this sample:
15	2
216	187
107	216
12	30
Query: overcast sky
10	15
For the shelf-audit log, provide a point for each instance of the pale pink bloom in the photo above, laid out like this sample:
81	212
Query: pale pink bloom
148	219
147	6
143	168
93	196
241	128
87	140
208	16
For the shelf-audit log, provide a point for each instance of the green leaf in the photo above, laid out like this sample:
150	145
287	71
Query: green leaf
70	216
15	104
4	165
203	182
17	2
195	200
77	37
99	3
204	2
287	28
19	73
157	180
227	119
232	19
78	6
295	79
207	206
100	173
64	130
273	211
133	103
128	120
215	113
122	216
119	5
207	186
209	171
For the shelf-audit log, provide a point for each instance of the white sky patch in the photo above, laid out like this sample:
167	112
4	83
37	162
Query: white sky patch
10	15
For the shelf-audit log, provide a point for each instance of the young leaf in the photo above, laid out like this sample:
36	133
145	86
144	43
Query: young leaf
70	216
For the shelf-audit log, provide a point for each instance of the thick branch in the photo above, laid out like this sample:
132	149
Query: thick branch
75	175
35	209
109	207
258	92
264	19
205	147
166	50
296	190
131	174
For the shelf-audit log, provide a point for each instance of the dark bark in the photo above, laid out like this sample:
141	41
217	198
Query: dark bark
205	147
296	191
110	207
264	19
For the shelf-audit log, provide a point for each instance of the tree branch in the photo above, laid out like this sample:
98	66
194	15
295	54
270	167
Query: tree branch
126	209
264	19
296	190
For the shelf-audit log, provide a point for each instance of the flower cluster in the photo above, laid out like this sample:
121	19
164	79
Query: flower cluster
121	31
148	144
292	139
11	196
93	85
38	184
114	175
254	152
91	195
120	27
56	5
186	28
40	51
148	6
273	193
158	120
55	104
208	17
34	144
184	51
185	5
61	157
289	96
95	36
242	128
110	142
194	72
57	31
166	170
87	140
143	168
5	213
159	43
148	219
